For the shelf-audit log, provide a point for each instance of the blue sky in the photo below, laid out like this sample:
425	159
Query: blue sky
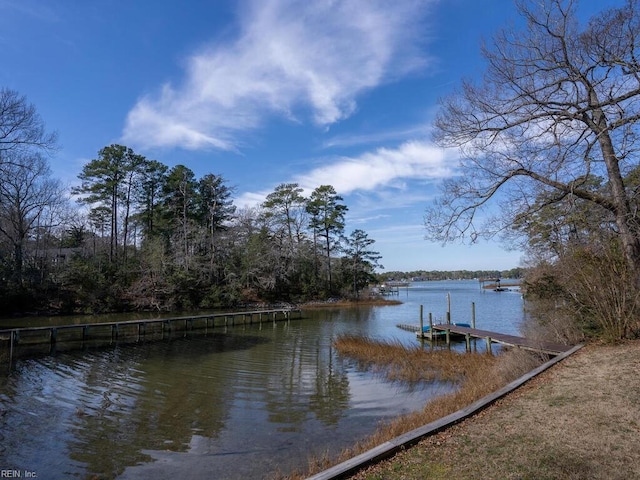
264	92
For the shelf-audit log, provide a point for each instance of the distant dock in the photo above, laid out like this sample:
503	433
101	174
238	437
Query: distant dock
391	288
497	285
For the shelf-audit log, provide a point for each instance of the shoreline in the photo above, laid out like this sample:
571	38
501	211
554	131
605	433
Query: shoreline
374	302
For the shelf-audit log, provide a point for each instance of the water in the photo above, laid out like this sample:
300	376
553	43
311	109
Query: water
244	402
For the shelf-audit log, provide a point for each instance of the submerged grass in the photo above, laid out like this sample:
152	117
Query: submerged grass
475	374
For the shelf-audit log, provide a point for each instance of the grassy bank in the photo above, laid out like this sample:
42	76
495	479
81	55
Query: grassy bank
475	376
577	420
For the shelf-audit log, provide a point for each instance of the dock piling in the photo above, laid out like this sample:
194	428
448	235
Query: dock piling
473	314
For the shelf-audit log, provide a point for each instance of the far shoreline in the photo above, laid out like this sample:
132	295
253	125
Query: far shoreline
344	303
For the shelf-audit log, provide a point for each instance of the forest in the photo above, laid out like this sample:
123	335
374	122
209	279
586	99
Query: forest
138	235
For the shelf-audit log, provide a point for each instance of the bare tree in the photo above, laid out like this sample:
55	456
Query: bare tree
29	198
559	103
20	126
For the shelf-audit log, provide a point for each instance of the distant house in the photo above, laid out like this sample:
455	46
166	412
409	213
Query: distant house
57	256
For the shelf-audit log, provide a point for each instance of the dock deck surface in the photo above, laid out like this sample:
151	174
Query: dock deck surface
511	340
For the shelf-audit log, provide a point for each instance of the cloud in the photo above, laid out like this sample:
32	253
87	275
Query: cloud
251	199
351	140
415	160
375	171
292	58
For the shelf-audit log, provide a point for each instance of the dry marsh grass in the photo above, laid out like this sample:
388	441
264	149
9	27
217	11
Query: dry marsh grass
411	364
577	420
475	374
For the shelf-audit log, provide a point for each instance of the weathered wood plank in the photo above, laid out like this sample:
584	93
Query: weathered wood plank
511	340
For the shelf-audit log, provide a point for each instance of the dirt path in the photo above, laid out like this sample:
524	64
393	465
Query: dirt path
579	420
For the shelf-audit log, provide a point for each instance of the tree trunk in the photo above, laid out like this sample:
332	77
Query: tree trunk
625	219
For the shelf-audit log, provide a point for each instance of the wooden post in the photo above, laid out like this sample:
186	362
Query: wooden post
430	326
467	338
448	308
473	314
489	346
473	323
421	322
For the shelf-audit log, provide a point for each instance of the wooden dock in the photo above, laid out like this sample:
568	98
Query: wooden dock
49	339
509	340
391	288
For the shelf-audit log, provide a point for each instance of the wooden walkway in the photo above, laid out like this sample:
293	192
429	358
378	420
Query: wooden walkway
52	337
510	340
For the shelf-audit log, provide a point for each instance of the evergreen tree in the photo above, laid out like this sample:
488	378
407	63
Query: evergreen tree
107	183
360	259
327	222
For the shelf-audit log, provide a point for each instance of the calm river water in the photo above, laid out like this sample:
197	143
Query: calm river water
242	402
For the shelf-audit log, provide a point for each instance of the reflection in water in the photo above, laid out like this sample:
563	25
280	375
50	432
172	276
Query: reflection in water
238	403
213	399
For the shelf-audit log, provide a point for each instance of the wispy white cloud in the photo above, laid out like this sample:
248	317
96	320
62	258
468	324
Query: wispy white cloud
376	171
351	140
416	160
291	58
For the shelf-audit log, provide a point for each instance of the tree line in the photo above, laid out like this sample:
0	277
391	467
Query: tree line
435	275
153	237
